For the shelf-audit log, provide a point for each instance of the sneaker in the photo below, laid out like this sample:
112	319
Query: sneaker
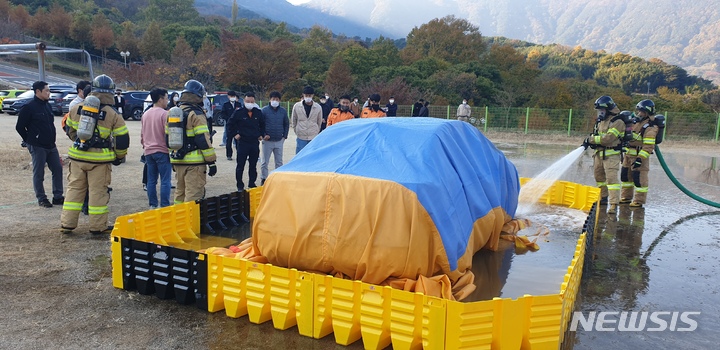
612	209
252	185
229	158
625	200
105	231
603	201
636	205
144	187
45	203
222	145
66	230
262	182
58	201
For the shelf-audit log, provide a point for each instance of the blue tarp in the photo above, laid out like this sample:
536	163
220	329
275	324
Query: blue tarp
456	172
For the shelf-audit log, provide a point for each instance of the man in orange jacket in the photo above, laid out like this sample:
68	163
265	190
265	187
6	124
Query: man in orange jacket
342	112
373	109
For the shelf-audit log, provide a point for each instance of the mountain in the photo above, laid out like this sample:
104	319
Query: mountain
680	32
296	16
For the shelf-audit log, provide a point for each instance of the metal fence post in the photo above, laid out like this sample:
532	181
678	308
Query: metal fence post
717	128
527	119
448	113
487	120
569	121
667	118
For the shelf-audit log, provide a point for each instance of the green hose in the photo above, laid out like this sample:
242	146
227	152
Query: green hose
678	184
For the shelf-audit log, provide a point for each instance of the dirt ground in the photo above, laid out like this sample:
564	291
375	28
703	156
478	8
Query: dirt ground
57	290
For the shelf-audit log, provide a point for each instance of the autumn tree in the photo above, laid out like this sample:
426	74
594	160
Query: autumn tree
103	36
60	22
39	23
266	67
150	74
397	87
449	38
182	58
80	29
4	10
208	65
20	15
339	80
152	45
126	41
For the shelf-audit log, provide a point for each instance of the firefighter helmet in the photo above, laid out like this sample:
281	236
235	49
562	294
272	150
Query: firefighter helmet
647	106
103	84
194	87
605	102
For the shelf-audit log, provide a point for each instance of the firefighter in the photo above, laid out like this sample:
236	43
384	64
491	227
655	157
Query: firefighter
636	164
373	109
606	141
197	157
342	112
100	139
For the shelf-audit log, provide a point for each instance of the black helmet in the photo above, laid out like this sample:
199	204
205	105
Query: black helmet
605	102
647	106
194	87
103	84
626	116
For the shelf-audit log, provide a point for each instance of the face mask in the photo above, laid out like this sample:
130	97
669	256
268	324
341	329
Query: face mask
250	105
344	108
274	104
392	101
355	101
323	100
464	102
375	107
176	98
307	99
233	99
327	97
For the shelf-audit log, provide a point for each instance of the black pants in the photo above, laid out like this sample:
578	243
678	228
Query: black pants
229	145
250	152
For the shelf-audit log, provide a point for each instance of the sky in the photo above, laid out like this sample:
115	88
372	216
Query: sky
297	2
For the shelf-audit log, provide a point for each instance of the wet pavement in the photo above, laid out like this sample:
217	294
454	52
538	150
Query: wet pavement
661	258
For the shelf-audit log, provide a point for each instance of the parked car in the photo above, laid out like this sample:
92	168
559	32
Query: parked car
12	105
66	102
217	102
9	94
134	101
56	100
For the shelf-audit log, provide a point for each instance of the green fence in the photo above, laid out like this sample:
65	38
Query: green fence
679	126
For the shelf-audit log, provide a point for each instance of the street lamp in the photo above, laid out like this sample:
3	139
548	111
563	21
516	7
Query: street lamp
125	55
648	88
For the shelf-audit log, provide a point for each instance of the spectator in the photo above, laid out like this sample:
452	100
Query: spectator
464	111
119	102
247	126
425	110
355	108
157	157
417	107
391	107
207	108
277	126
173	100
306	119
36	126
81	93
326	105
367	103
228	109
341	113
373	110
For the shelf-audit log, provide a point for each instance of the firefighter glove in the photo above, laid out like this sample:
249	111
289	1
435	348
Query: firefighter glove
637	164
212	169
586	143
117	161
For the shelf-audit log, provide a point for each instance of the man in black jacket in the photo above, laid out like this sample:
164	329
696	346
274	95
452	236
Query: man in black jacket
36	126
417	107
247	127
228	109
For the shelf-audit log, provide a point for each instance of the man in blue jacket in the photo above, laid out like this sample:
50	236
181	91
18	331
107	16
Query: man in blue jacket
247	128
277	125
35	124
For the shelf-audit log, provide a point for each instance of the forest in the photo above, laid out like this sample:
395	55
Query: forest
444	60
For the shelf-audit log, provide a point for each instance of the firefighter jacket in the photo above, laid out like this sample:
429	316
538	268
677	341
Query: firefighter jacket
643	142
111	139
336	116
198	149
607	135
370	113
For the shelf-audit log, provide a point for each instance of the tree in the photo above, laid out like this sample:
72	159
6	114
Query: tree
316	52
339	80
103	36
386	52
182	58
60	22
4	10
208	64
140	77
398	88
171	11
267	66
152	45
80	29
20	15
39	23
234	12
449	38
127	41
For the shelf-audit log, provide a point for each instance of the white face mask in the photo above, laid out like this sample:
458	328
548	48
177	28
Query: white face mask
355	101
274	103
327	97
392	101
307	99
464	102
233	99
176	98
250	105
